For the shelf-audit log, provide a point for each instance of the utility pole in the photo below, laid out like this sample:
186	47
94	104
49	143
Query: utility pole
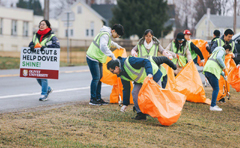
235	16
46	9
68	37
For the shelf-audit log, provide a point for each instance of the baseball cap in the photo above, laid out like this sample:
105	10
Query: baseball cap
180	36
187	32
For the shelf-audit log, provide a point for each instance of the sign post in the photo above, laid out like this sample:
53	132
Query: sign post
40	64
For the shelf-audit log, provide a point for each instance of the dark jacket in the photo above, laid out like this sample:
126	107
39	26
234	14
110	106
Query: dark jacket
162	59
212	42
197	50
55	42
136	63
215	44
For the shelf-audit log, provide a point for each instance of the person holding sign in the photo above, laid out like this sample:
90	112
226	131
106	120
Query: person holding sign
44	38
97	54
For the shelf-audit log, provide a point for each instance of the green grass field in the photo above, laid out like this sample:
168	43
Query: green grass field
82	125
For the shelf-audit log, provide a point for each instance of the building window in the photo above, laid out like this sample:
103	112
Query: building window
79	9
25	28
92	28
71	33
92	32
206	22
1	26
202	33
66	33
14	27
87	32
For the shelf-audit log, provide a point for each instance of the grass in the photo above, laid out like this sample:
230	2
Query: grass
81	125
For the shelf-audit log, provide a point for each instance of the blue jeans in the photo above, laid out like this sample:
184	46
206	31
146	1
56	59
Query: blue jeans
96	84
44	84
212	79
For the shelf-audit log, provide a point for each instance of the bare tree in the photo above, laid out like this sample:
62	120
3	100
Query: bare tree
58	6
3	3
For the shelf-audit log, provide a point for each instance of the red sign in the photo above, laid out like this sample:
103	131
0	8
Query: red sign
39	73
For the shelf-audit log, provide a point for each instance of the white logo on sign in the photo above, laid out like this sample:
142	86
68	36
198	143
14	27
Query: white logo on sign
25	73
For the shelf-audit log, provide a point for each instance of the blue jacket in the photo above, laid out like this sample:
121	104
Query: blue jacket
136	63
55	42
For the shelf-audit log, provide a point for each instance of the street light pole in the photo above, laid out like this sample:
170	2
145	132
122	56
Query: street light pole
46	9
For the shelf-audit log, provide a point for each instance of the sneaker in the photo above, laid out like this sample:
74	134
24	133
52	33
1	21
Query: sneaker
103	102
222	100
215	108
123	108
94	102
140	116
43	98
49	91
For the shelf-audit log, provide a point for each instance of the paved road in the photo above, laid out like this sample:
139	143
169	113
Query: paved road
19	93
73	85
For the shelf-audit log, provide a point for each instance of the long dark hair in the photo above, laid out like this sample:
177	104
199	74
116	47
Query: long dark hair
147	31
177	44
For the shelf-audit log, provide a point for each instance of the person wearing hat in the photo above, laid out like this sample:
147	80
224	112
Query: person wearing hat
147	46
213	69
224	40
97	54
216	35
195	51
180	52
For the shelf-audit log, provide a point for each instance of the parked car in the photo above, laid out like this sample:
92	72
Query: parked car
236	39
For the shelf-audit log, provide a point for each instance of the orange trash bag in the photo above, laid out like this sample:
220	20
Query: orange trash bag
201	44
118	90
171	81
234	78
163	104
112	79
189	83
38	45
224	86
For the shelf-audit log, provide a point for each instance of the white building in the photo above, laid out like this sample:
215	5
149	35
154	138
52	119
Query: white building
15	28
84	22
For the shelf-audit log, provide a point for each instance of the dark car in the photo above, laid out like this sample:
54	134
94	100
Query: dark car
236	39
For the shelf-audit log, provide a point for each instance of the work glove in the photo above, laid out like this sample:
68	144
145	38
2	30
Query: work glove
225	78
119	47
150	76
175	56
42	48
203	60
32	48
